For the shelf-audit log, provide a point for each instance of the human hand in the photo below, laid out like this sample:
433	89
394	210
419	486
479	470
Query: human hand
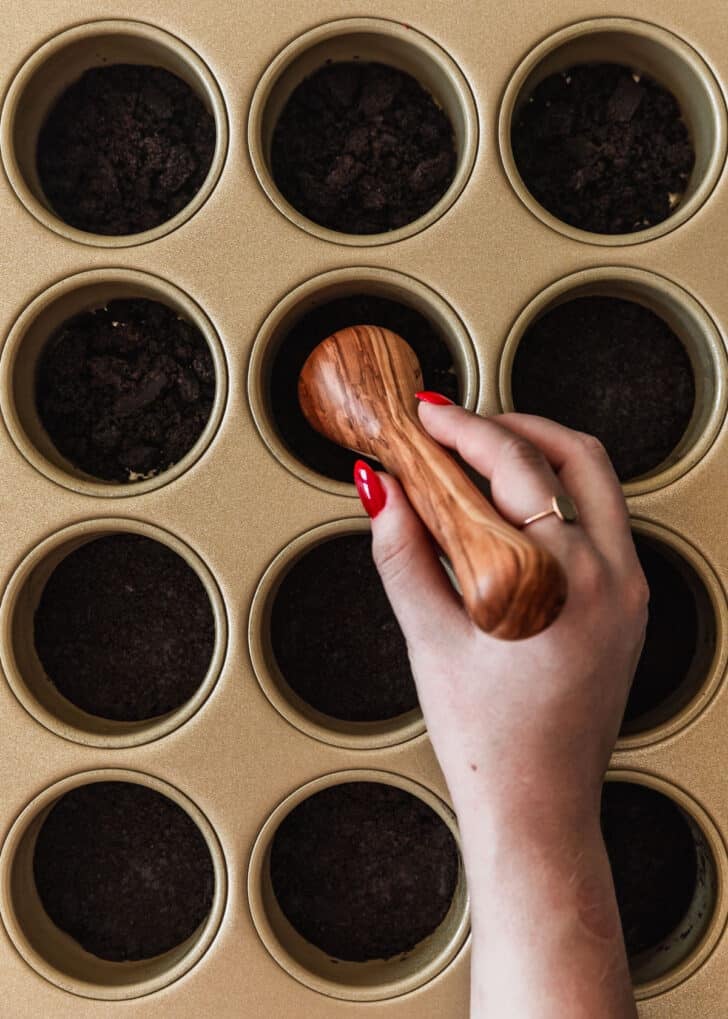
524	730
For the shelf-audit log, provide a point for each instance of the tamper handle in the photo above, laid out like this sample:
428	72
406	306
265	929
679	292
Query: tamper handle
512	588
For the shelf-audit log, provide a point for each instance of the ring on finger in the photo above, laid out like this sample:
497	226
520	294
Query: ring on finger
562	507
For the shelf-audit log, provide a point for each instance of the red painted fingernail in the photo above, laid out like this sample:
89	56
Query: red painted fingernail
437	398
370	488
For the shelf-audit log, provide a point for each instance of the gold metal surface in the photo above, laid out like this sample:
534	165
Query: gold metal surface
239	507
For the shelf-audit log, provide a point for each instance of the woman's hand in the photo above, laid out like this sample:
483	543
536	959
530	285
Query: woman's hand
524	730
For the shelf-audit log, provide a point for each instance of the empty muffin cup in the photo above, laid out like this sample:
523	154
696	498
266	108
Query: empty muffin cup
683	316
368	41
683	660
296	324
57	65
378	978
23	666
57	955
645	49
344	709
34	333
667	859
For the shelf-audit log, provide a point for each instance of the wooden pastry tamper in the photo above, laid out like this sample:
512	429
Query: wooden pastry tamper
358	389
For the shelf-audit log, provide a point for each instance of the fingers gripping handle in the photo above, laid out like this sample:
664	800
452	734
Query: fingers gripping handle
511	587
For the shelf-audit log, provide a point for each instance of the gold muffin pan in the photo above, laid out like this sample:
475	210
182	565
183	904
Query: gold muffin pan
243	265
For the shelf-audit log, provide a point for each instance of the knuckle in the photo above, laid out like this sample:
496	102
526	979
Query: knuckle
468	444
520	451
392	559
592	577
592	446
637	593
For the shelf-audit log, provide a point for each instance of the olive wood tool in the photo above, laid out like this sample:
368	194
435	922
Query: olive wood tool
358	389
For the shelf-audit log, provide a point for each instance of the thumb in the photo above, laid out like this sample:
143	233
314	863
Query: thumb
418	588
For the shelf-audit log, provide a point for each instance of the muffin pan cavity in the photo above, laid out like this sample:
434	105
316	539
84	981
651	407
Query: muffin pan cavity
113	382
659	407
312	312
681	662
402	94
326	647
682	106
113	633
113	133
106	836
604	148
665	857
387	830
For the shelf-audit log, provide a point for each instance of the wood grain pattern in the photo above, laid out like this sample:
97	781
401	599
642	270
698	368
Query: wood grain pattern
357	388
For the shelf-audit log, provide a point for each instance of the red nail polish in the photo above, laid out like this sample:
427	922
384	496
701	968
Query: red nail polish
437	398
370	488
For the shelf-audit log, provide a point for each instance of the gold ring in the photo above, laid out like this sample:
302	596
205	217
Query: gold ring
561	506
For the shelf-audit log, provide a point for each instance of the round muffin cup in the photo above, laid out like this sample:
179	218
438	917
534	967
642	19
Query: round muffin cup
25	673
369	40
57	956
27	341
328	287
707	669
686	949
335	731
658	53
60	62
353	981
688	320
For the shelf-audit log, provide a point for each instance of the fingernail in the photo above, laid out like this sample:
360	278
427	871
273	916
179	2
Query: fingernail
370	488
437	398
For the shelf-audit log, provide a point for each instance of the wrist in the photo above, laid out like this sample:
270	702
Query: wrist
548	812
547	839
532	847
546	926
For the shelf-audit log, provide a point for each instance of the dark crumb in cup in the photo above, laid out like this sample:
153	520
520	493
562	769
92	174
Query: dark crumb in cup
671	642
125	148
432	351
364	870
614	369
654	862
123	870
125	391
603	148
362	148
335	637
124	628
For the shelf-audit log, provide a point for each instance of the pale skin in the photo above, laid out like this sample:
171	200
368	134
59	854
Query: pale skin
524	730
